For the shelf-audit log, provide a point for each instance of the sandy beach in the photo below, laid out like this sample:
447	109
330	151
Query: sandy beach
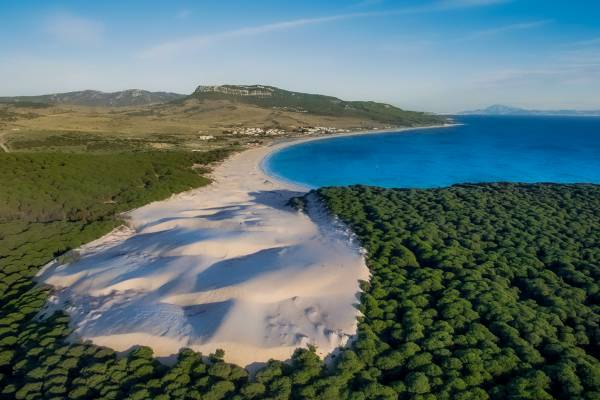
225	266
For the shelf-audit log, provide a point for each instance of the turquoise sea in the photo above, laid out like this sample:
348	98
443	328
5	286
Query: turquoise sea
483	149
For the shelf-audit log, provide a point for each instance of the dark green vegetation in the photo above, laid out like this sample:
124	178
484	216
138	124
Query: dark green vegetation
477	291
85	142
95	98
485	291
272	97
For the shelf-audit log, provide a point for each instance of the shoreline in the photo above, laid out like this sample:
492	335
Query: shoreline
281	144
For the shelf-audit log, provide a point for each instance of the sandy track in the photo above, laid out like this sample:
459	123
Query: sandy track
3	145
225	266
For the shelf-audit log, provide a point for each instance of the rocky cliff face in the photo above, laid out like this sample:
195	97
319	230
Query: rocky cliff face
238	90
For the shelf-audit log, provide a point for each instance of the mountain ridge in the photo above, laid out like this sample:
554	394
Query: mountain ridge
275	98
96	98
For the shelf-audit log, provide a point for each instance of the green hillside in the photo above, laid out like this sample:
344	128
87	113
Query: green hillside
272	97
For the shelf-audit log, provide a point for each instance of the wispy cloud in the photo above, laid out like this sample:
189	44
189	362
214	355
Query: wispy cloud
584	56
450	4
183	14
563	74
586	43
73	29
196	42
366	3
507	29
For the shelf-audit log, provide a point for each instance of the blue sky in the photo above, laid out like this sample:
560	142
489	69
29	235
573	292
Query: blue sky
434	55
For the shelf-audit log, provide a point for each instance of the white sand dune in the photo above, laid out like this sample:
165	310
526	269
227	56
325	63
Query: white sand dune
225	266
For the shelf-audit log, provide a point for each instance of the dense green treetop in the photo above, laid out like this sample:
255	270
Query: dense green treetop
479	291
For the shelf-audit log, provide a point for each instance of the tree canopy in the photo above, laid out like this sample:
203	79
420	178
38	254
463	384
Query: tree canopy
478	291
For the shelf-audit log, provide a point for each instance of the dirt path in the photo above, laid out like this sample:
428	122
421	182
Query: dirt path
2	144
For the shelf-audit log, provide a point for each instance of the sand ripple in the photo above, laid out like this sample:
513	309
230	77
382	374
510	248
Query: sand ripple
225	266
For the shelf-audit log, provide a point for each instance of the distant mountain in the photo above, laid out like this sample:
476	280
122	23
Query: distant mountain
499	109
94	98
275	98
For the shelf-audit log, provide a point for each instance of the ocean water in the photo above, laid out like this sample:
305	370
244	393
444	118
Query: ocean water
484	149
